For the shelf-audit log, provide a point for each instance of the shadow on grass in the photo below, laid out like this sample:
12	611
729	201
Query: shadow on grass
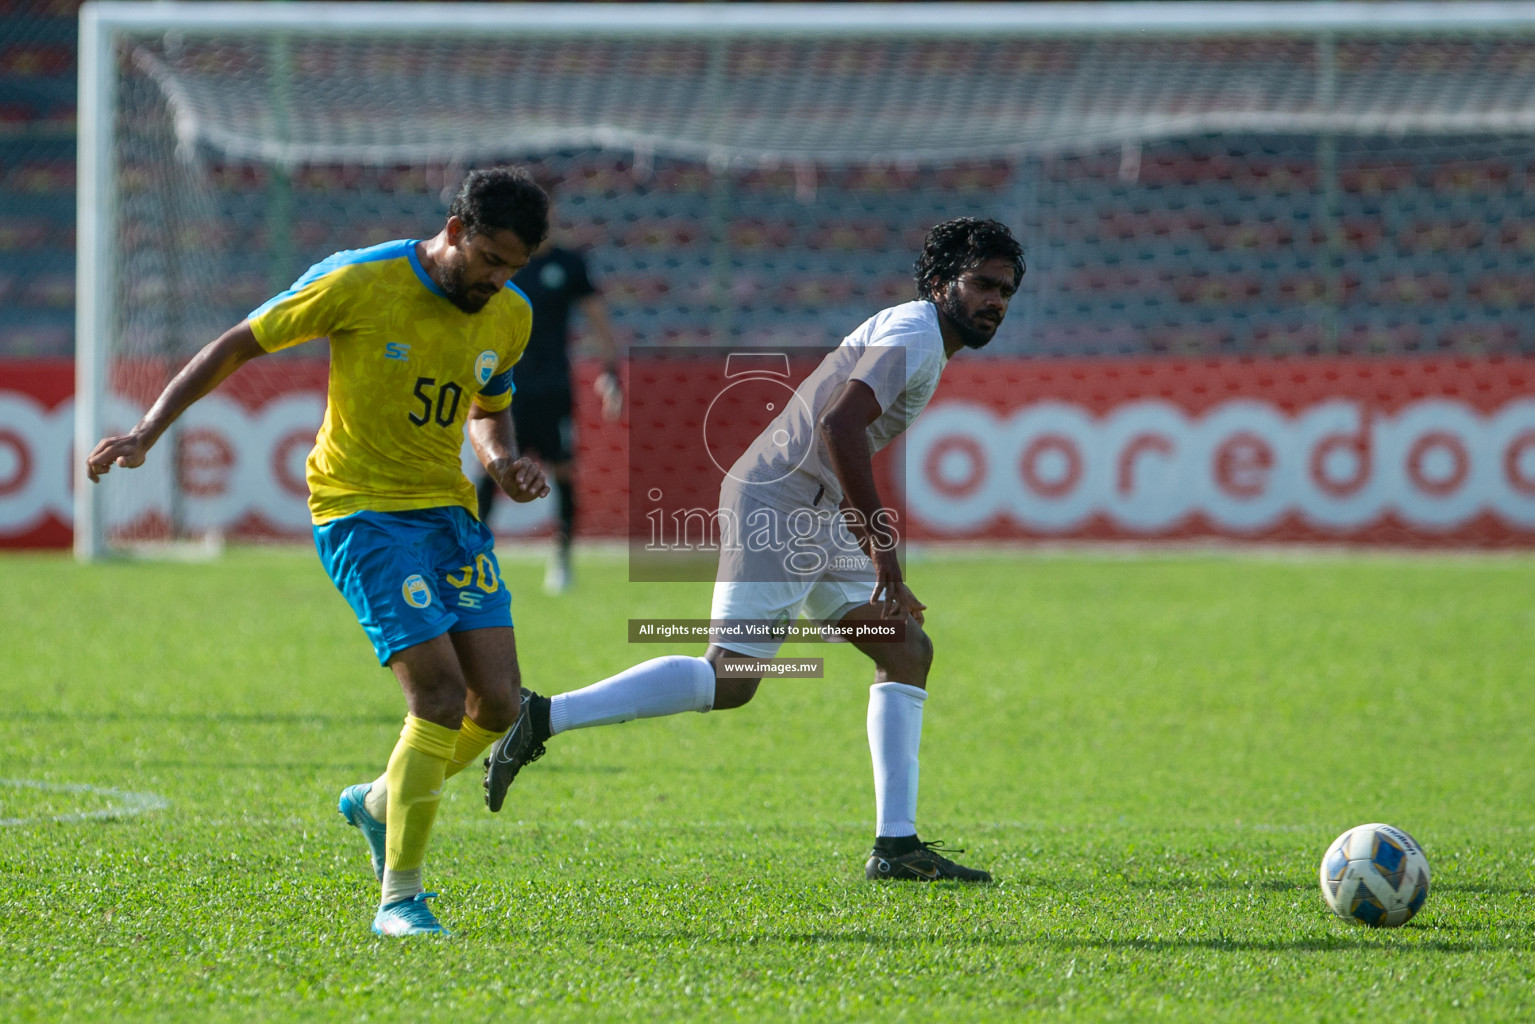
1234	884
1350	939
1284	885
207	717
1481	889
218	764
213	761
1354	938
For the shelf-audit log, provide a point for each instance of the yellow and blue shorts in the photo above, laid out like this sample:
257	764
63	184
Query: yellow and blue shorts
411	576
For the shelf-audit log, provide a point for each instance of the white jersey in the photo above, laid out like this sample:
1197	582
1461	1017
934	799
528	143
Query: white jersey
899	354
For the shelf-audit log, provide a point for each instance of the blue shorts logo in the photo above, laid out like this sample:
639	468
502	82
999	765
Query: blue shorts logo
417	593
485	367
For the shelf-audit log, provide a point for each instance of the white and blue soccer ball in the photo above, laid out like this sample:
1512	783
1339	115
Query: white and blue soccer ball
1375	875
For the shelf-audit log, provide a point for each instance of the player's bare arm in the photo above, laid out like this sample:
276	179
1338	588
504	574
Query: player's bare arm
495	444
845	424
204	372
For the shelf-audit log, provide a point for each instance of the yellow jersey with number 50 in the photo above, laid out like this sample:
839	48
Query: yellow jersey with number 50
405	363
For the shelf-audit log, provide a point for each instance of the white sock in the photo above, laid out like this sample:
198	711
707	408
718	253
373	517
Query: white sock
400	885
377	801
661	686
895	733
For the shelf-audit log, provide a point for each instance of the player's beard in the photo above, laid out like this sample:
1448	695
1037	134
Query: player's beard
470	300
971	333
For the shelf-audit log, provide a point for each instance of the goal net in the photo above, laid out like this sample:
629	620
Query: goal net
1199	179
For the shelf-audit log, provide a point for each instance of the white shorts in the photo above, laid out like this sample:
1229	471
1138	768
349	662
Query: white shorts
780	565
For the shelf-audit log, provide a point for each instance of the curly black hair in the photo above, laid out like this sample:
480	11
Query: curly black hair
503	198
962	244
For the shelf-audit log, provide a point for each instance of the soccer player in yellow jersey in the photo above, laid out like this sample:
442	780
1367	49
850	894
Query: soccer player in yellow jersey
423	335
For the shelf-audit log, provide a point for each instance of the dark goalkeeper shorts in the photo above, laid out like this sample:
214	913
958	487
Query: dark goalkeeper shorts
543	424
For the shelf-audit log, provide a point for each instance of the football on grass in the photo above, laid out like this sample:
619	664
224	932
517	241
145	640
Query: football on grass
1376	875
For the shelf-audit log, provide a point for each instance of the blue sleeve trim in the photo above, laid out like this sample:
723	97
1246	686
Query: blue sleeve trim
335	261
500	384
426	279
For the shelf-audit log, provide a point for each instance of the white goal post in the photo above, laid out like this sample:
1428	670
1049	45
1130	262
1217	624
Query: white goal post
177	98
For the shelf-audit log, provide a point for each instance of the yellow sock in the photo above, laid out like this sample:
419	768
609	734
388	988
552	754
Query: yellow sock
416	770
472	741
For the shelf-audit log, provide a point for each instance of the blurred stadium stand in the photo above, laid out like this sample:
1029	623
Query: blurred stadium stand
1207	245
37	177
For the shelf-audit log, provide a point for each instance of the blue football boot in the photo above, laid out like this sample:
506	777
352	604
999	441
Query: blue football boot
354	808
408	917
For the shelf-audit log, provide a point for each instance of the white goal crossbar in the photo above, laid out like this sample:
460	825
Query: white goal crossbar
931	81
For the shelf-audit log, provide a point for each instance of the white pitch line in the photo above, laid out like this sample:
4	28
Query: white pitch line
129	803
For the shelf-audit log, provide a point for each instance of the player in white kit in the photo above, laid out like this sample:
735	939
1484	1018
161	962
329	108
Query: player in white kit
805	533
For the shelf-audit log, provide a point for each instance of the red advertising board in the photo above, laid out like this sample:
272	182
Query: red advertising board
1431	452
1374	451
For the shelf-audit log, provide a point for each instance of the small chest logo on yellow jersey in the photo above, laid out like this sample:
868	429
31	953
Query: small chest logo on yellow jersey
485	367
417	593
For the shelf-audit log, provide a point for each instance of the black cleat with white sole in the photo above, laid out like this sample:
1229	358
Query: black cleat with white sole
924	864
523	744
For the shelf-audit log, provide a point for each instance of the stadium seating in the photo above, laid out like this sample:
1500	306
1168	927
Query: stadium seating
37	179
1198	246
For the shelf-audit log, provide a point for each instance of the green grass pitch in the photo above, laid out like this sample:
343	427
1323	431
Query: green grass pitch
1150	753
